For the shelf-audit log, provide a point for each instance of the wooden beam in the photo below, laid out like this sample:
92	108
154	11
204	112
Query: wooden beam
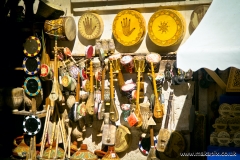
142	5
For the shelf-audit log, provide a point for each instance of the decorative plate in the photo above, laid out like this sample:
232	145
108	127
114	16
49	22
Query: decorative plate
31	66
225	109
32	46
129	27
166	27
223	138
31	125
197	15
236	110
90	26
32	86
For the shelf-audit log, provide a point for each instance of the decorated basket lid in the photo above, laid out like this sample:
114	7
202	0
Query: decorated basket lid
166	27
32	46
223	138
31	125
84	153
31	65
32	85
225	109
90	25
236	110
129	27
236	139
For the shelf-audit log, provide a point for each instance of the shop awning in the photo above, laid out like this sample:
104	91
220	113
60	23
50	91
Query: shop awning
215	43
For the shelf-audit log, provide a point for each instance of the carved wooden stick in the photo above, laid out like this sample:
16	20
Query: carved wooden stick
44	136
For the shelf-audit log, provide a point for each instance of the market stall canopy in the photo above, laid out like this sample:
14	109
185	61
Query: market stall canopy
215	42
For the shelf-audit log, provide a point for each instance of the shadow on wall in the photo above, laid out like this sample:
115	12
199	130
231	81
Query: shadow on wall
126	49
158	49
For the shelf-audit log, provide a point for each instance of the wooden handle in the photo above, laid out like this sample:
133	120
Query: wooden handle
111	82
137	109
56	63
158	107
78	88
91	77
151	135
103	83
121	81
113	109
90	101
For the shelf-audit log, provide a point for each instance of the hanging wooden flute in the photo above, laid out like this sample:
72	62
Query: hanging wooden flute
158	110
113	109
90	101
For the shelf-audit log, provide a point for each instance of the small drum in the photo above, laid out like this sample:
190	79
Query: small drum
69	82
155	59
32	46
81	109
31	66
73	71
89	52
83	95
96	64
70	101
32	86
115	60
139	63
46	72
31	125
64	28
83	74
127	62
127	89
86	85
125	111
